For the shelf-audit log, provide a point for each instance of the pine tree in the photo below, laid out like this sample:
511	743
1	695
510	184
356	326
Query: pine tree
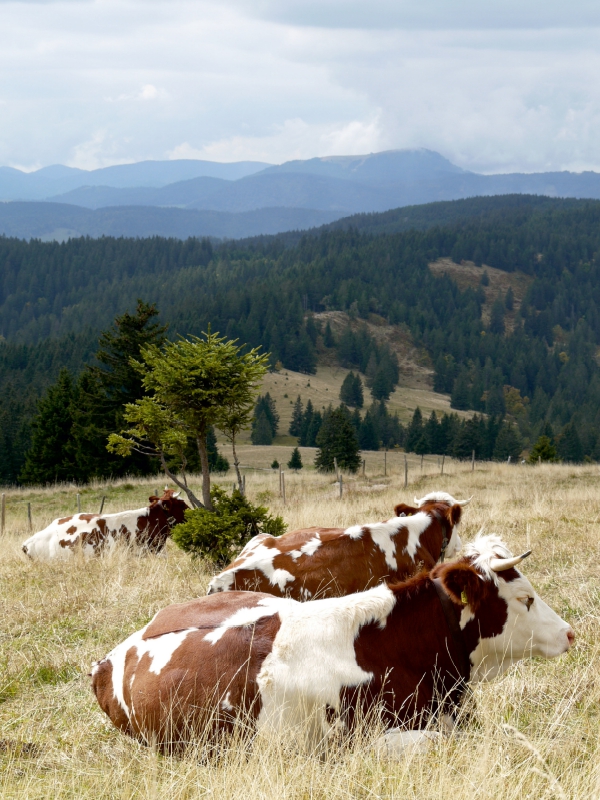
569	445
508	443
295	461
337	439
51	456
509	299
543	450
297	414
497	317
328	339
262	433
461	392
266	405
351	392
414	434
367	434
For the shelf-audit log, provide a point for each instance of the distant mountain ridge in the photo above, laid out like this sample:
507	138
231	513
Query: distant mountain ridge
165	197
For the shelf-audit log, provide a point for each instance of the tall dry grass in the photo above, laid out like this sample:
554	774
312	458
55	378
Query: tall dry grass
533	733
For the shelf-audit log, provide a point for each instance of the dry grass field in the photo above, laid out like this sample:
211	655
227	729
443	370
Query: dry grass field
534	733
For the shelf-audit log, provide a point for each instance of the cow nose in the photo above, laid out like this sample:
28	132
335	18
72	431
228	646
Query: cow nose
24	549
570	636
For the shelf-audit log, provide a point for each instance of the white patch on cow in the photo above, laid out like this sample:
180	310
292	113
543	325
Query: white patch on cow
161	648
356	531
398	743
437	497
313	657
305	593
258	557
295	554
244	617
226	703
117	659
466	615
416	526
538	631
45	544
482	550
310	548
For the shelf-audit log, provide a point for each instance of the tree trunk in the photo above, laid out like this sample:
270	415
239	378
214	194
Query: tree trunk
203	453
236	464
195	503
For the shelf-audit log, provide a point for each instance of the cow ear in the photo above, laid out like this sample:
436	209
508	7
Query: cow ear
402	510
462	582
454	514
153	498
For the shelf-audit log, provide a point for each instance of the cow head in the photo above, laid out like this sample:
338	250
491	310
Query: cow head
503	619
171	504
448	514
440	497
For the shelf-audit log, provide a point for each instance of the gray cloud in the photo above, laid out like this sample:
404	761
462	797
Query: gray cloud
95	82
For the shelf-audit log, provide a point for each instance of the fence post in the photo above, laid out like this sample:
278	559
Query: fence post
385	463
508	461
102	505
473	461
341	486
422	456
244	485
3	514
405	471
364	465
280	482
442	469
29	517
283	486
337	472
78	503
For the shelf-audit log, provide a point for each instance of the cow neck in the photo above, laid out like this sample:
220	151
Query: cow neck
455	632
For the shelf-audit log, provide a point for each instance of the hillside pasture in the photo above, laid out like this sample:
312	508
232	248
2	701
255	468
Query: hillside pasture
534	733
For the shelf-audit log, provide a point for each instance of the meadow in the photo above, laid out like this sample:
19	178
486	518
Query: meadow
533	733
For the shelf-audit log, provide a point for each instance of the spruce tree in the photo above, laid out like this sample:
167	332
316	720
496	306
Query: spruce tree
262	433
414	434
543	450
328	339
569	445
368	437
337	440
50	457
508	443
297	414
295	461
351	392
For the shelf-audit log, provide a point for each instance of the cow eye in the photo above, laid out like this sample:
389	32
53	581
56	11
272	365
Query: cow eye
527	601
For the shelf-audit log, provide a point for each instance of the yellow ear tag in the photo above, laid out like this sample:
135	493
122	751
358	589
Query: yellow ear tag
463	598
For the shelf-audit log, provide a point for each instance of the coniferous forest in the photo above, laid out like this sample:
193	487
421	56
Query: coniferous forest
55	299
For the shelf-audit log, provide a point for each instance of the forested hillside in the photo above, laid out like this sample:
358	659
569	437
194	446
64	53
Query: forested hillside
263	292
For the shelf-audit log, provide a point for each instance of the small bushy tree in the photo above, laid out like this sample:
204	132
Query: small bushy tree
218	535
543	450
337	440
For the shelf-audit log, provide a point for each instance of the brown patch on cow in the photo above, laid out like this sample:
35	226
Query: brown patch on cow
68	542
343	565
403	510
102	687
64	520
412	659
87	517
72	529
202	685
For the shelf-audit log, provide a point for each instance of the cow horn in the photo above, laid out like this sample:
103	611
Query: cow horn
465	502
416	501
500	564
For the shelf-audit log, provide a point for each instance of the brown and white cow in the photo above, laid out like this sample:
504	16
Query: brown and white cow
201	666
330	562
148	528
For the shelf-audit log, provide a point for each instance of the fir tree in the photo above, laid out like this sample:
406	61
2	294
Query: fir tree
414	434
297	415
508	443
295	461
497	317
569	445
337	439
351	392
367	434
543	450
262	433
328	339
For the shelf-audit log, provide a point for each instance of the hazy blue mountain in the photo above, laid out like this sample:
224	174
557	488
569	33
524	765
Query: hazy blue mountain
391	166
181	194
28	220
54	180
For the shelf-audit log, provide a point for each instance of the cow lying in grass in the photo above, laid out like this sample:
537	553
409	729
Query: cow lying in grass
330	562
287	666
147	528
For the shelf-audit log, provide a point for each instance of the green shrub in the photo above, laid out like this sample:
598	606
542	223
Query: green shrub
220	534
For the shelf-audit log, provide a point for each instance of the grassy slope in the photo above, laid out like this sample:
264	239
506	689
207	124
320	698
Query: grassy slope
534	732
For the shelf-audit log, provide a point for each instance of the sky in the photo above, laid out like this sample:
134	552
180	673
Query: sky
495	86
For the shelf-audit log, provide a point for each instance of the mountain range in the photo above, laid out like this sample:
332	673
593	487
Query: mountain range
184	198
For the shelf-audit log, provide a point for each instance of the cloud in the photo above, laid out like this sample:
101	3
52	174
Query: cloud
499	86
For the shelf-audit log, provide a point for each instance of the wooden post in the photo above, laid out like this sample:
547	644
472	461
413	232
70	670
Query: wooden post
233	487
29	517
3	514
442	469
364	466
156	494
244	485
102	505
283	486
473	461
508	461
79	504
335	466
405	472
341	486
421	463
385	463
